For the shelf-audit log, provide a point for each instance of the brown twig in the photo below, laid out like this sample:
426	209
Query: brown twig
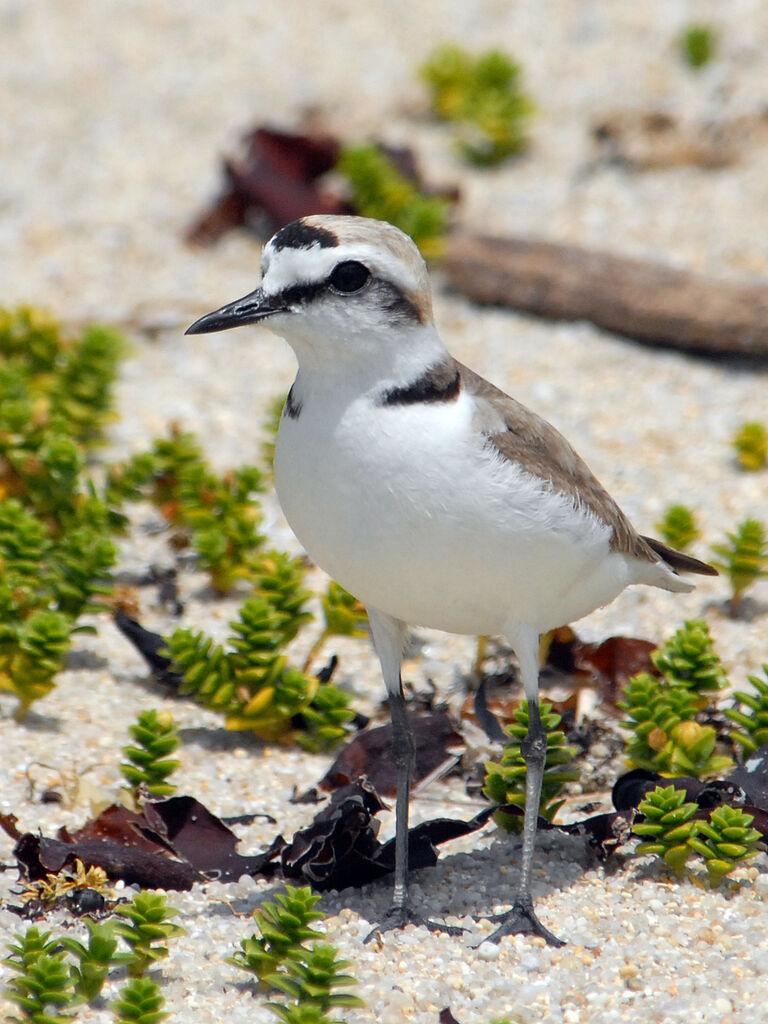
637	298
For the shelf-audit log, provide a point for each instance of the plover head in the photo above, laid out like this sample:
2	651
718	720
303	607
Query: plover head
335	286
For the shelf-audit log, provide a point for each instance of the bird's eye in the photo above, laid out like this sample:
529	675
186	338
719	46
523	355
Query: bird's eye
349	276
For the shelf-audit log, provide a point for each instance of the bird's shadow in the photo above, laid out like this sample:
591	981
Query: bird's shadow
458	878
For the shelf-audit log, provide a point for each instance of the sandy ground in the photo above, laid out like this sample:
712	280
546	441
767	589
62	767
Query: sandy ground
112	120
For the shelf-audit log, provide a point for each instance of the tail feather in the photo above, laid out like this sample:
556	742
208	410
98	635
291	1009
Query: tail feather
678	561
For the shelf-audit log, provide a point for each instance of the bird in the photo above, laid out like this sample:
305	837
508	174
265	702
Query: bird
427	492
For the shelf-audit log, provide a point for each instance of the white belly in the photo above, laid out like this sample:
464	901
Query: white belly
408	511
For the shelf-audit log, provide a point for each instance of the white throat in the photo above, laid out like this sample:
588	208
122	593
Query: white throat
358	358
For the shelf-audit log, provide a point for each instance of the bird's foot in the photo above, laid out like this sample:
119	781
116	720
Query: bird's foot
398	917
520	920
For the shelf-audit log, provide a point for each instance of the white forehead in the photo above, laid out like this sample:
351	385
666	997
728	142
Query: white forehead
386	251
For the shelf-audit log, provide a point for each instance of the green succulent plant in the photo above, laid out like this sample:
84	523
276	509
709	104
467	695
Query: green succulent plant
483	97
32	651
148	763
744	559
666	737
139	1002
381	191
286	956
344	615
313	981
285	927
668	826
689	659
279	578
147	924
54	976
754	721
678	527
750	443
57	393
94	960
217	515
726	841
56	548
42	987
252	682
698	44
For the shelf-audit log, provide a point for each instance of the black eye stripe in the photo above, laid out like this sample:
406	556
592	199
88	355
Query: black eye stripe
349	276
301	294
398	308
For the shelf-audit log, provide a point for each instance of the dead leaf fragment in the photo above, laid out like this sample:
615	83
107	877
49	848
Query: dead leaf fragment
276	178
370	754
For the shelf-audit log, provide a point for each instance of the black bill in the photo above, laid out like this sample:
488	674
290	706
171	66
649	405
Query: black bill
249	310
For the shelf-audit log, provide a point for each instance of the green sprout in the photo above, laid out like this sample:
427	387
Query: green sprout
80	560
223	521
286	956
666	737
344	616
678	527
148	923
148	762
505	780
156	474
94	960
279	578
55	545
48	986
379	190
689	659
668	826
285	928
325	719
697	45
57	398
483	97
32	651
217	515
81	390
754	723
139	1002
30	947
726	841
744	559
252	682
312	981
43	987
751	445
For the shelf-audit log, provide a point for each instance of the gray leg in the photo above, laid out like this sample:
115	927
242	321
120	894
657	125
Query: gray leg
522	919
403	754
389	640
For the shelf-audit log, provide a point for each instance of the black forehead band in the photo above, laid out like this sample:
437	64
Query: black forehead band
299	235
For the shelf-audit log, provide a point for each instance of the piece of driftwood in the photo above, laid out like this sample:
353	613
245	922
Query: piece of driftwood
652	140
637	298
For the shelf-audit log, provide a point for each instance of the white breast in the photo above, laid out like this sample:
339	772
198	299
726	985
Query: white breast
409	510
